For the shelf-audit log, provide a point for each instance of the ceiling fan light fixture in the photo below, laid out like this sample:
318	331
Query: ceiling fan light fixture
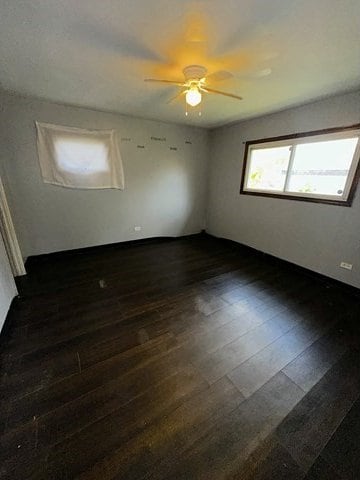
195	85
193	96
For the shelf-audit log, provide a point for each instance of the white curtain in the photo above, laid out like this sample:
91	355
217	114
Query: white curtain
79	158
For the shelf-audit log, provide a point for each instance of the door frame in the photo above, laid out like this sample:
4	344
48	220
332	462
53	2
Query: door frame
8	234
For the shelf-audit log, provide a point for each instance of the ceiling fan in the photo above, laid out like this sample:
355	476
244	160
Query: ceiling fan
195	84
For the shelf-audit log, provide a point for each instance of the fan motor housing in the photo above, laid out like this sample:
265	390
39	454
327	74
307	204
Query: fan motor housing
192	72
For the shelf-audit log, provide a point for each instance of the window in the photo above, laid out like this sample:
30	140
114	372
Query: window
313	166
78	158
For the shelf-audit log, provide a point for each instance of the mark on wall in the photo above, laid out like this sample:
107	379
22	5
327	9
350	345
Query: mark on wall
159	139
156	139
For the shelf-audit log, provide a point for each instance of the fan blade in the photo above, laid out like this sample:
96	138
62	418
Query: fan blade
211	90
262	73
177	96
181	84
219	76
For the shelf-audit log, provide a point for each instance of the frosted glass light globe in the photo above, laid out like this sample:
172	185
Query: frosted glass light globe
193	96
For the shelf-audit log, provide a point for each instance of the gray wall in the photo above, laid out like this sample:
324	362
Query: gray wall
165	190
7	284
312	235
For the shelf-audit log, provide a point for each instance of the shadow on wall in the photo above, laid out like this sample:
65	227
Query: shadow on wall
171	187
167	204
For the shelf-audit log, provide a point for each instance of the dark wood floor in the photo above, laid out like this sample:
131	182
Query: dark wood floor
186	359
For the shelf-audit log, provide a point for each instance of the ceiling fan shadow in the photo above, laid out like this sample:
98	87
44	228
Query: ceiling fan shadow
159	97
117	42
258	21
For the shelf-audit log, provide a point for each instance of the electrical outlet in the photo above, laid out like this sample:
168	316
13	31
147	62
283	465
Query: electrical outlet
137	228
347	266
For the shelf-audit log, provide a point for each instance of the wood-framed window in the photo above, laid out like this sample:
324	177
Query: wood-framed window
319	166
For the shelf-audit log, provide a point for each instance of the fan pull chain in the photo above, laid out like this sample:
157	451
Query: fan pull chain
187	111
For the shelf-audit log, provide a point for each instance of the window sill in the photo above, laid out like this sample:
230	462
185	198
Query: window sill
340	203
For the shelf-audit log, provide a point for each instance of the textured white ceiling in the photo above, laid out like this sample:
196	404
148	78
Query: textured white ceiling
96	53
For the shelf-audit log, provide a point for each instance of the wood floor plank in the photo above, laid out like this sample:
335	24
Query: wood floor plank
122	421
258	369
341	452
311	424
269	461
224	360
322	471
106	400
221	451
239	321
27	378
116	364
153	452
135	380
307	369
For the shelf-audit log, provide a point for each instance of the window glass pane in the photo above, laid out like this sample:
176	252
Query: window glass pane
322	167
268	168
80	155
